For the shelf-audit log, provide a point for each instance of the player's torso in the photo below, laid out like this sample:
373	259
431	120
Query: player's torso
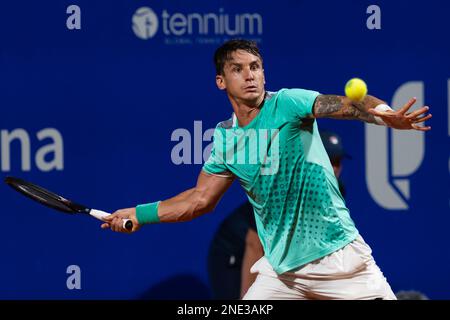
271	147
284	168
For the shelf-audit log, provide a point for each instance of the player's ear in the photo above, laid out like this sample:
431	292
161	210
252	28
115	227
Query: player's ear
220	82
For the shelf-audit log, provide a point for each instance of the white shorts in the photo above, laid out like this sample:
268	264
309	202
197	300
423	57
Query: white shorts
348	273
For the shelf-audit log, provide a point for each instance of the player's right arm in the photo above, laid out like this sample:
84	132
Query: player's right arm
185	206
196	201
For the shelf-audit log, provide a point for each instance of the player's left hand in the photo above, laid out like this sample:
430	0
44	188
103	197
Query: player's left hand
404	120
115	220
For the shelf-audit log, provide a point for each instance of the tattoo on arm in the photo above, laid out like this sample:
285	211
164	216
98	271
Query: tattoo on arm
339	107
326	104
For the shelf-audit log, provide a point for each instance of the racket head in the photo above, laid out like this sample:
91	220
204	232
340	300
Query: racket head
45	197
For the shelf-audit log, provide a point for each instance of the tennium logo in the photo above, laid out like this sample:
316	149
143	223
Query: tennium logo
199	27
145	23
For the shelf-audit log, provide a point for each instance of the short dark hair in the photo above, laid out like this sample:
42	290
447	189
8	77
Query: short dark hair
223	53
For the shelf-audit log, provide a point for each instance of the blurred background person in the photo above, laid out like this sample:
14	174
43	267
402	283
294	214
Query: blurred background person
411	295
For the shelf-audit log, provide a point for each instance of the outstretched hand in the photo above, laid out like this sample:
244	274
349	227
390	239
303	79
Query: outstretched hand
404	120
115	220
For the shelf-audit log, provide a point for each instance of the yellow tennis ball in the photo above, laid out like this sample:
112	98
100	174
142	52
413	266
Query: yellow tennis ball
356	89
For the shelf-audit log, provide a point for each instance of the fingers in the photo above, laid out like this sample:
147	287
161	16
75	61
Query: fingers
407	106
417	113
115	223
422	119
420	128
415	119
111	216
108	218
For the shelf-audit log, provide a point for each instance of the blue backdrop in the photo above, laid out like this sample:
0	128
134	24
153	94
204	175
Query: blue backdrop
97	100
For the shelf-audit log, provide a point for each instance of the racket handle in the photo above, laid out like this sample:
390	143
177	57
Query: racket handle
127	224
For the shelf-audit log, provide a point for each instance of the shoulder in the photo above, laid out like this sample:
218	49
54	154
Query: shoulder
272	94
226	124
296	93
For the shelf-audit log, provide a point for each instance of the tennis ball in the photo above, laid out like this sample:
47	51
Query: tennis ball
356	89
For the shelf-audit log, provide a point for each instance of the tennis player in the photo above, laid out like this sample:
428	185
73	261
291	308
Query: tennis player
312	249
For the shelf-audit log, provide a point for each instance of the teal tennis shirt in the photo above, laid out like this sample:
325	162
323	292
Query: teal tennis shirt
281	163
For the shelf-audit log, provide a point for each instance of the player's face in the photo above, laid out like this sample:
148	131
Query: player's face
243	77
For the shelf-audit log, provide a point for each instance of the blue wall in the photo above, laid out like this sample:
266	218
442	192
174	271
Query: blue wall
116	99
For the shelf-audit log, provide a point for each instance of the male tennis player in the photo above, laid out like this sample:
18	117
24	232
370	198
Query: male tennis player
312	249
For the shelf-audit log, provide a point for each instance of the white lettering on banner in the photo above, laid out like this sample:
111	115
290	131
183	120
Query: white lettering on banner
145	24
55	147
6	139
208	136
74	280
393	155
210	23
74	20
240	147
373	21
182	151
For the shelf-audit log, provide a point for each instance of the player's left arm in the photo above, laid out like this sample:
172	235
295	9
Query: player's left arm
368	110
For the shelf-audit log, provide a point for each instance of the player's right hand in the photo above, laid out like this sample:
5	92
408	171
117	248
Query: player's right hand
115	220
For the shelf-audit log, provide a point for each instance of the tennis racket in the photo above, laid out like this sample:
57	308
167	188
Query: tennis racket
52	200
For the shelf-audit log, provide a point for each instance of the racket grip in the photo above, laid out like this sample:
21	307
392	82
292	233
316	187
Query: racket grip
127	224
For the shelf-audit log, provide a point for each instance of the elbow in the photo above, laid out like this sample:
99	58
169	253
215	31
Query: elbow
200	205
204	205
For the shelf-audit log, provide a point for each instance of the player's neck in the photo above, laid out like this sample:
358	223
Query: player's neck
246	111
